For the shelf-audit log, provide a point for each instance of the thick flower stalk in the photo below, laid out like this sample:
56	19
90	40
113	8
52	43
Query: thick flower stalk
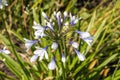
55	32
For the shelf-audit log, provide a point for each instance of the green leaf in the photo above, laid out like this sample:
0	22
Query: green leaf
91	24
106	61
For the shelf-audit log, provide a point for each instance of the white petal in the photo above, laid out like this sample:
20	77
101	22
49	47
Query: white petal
35	23
29	43
41	56
65	13
46	55
75	45
88	40
84	34
80	56
41	52
38	27
52	65
33	58
5	51
39	34
50	26
63	58
28	46
45	16
54	45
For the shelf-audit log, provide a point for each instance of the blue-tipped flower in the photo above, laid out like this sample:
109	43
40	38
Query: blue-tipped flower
80	56
73	20
54	45
39	52
74	44
65	14
29	43
58	16
86	37
45	16
83	34
4	51
88	40
39	33
49	25
52	65
63	58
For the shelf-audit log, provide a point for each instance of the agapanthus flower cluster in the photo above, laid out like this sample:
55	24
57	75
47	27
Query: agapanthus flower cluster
55	30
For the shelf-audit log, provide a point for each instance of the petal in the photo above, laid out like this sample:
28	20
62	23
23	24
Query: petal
29	43
52	65
28	46
54	45
83	34
41	56
39	51
45	16
39	34
50	26
46	55
80	56
88	40
74	44
33	58
5	51
65	14
63	58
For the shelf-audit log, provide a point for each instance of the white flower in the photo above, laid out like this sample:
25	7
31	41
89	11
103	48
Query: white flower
5	51
88	40
74	44
83	34
39	52
45	16
39	34
54	45
58	16
29	43
73	20
80	56
65	14
86	37
50	26
63	58
52	64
